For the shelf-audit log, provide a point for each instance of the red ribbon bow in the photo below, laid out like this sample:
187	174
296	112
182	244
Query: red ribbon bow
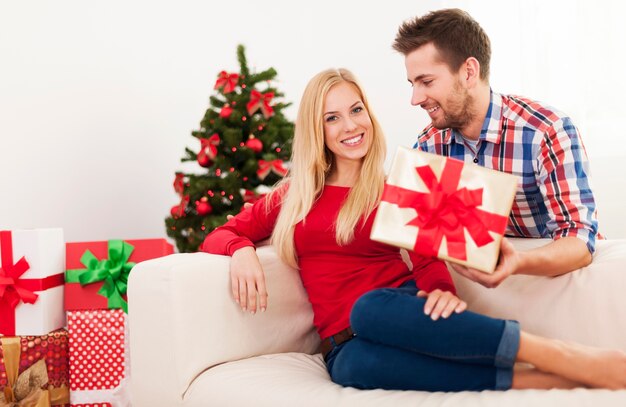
446	211
266	166
261	101
179	183
12	288
251	196
226	81
208	146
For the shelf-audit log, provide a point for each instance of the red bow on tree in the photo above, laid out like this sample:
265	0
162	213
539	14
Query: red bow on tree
226	81
251	196
179	183
208	146
261	101
446	211
12	288
266	166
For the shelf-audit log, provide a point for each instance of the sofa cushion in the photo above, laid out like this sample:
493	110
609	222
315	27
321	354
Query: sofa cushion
299	379
586	305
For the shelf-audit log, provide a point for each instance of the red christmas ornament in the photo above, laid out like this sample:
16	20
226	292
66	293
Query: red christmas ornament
226	111
175	211
178	211
203	207
255	145
204	160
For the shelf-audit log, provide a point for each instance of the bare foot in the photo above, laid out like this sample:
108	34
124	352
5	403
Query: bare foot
594	367
601	368
531	378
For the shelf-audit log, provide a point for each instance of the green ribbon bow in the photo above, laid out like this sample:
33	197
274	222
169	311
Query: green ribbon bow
113	271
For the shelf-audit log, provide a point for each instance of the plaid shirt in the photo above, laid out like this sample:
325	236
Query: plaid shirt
543	148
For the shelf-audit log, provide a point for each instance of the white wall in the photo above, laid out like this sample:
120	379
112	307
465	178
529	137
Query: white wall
97	98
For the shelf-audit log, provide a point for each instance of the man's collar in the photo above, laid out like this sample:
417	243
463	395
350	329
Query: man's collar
491	126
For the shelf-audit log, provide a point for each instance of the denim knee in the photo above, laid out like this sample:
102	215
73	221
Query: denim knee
366	306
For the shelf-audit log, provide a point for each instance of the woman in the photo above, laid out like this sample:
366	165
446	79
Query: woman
378	329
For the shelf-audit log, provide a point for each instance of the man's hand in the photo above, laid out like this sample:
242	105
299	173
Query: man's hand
508	263
441	303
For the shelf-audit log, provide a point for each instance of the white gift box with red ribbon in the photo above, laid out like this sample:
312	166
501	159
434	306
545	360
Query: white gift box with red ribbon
442	207
31	281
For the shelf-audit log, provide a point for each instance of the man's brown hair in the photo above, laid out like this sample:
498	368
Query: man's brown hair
455	34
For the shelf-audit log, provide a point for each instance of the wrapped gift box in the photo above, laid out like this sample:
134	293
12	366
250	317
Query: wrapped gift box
45	357
98	271
442	207
99	362
31	281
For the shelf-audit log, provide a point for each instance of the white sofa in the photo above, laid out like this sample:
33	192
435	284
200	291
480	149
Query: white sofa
191	345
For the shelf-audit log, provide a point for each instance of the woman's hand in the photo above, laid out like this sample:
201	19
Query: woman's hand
441	303
247	279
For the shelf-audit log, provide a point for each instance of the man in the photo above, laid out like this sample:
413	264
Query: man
447	62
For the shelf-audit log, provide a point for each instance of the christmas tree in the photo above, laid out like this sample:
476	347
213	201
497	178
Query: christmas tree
241	146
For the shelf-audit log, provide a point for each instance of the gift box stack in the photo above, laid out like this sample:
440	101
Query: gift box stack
442	207
43	280
34	368
95	301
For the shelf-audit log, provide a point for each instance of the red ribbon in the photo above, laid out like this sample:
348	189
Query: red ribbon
446	211
208	146
14	289
266	166
251	196
179	183
226	81
261	101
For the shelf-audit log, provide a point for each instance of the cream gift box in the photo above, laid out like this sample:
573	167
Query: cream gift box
439	206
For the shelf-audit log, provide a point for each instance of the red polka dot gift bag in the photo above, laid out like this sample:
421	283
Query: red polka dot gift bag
95	300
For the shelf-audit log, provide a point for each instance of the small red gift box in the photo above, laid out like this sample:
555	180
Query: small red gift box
97	272
442	207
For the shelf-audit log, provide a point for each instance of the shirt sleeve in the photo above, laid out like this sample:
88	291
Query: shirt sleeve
563	169
247	228
431	274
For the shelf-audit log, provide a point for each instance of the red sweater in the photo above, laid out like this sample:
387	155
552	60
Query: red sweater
334	276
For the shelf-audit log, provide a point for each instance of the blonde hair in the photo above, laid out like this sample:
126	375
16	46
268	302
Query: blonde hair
312	161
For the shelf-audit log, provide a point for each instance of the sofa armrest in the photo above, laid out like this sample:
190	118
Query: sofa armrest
586	305
183	321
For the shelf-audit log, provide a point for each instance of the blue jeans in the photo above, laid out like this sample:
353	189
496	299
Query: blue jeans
398	347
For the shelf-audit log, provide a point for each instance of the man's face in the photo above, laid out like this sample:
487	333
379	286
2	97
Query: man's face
438	90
